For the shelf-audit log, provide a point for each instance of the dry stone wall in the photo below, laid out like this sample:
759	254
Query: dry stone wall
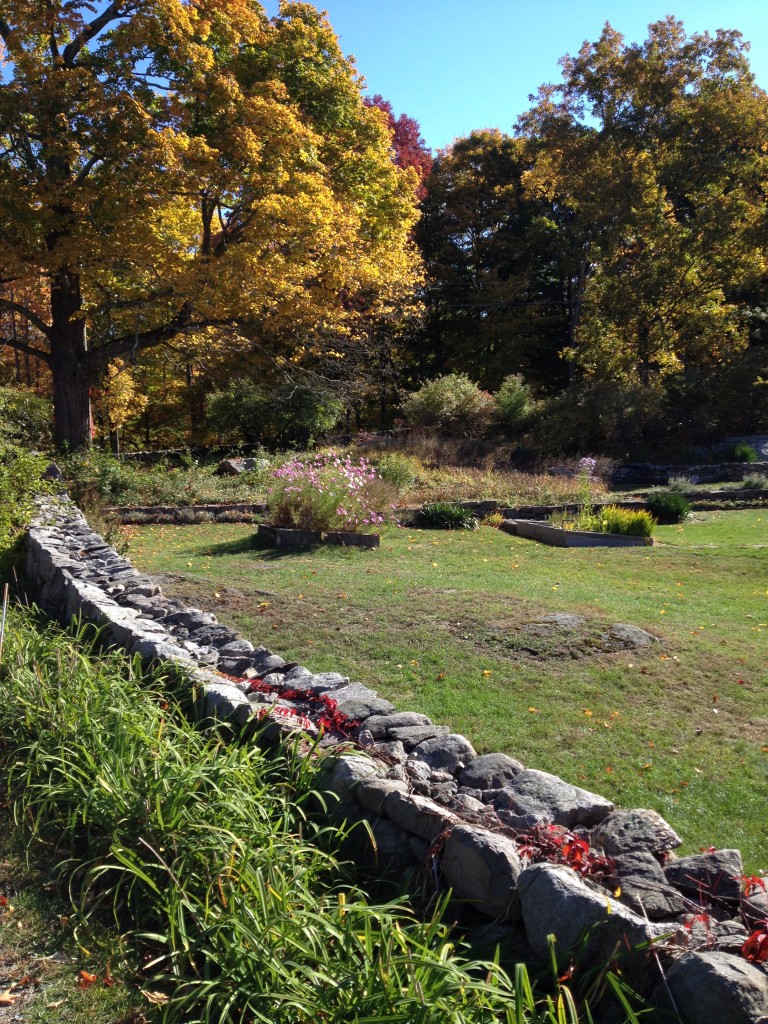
518	847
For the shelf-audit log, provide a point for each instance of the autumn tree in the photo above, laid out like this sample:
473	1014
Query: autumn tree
493	280
653	158
177	170
408	147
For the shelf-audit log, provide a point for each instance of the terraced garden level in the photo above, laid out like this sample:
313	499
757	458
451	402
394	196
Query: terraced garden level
459	626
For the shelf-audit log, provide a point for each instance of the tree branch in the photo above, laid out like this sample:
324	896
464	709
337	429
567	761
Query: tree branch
34	319
109	14
30	350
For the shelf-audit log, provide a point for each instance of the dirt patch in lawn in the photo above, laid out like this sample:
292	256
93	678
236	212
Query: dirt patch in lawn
554	637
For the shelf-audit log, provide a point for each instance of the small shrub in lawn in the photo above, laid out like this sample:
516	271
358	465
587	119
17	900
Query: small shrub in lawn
668	507
625	522
445	515
742	452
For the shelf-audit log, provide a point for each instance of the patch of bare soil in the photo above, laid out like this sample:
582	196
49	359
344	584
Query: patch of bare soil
554	637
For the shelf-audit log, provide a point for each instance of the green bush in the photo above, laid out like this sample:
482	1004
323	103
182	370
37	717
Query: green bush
453	403
625	522
755	481
277	416
25	418
398	470
514	404
742	452
668	507
445	515
20	478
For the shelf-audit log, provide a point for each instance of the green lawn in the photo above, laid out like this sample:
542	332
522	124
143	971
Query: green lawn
433	621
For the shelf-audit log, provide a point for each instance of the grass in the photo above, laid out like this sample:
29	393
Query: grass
229	901
41	959
440	623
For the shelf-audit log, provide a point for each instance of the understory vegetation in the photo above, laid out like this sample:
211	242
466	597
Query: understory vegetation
201	885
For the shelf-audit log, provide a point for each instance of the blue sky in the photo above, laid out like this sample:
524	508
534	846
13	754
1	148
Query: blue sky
455	65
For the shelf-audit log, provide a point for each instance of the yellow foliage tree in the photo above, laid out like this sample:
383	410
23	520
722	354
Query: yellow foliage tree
175	167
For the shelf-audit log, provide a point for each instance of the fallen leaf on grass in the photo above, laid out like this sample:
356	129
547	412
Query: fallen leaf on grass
157	998
7	998
56	1005
86	979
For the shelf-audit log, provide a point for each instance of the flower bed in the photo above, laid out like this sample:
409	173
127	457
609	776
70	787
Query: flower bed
327	494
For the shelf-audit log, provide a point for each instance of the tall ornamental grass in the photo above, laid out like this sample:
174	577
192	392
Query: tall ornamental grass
203	853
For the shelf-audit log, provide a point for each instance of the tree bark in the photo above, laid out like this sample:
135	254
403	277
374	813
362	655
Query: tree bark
69	363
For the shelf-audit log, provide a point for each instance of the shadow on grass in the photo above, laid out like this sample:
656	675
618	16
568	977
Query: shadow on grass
266	551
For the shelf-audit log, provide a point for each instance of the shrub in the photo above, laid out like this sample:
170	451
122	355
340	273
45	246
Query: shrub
626	522
742	452
398	470
514	403
452	403
25	418
494	519
755	481
327	492
680	483
20	477
277	416
445	515
668	507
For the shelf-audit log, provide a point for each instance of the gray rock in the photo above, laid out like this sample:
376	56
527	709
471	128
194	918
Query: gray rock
390	851
341	774
644	886
448	752
731	936
380	724
418	815
394	749
233	648
325	682
545	795
754	904
233	666
708	877
632	636
224	702
418	770
482	869
556	901
190	619
714	987
411	735
372	792
490	771
359	707
465	804
266	662
637	829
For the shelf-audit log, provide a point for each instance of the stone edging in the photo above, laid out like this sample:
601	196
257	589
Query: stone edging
480	823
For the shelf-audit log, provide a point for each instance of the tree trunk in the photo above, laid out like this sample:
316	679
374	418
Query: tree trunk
69	363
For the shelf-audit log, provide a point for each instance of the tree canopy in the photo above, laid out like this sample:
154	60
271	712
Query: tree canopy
178	172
